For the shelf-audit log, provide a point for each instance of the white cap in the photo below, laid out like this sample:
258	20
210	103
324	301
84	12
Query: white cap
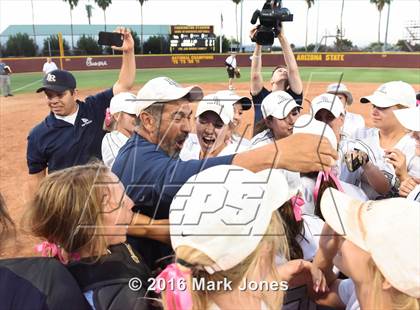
278	104
388	229
224	212
233	98
409	118
123	102
340	88
164	89
214	102
392	93
328	102
308	124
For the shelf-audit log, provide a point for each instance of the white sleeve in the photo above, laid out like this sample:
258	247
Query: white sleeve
413	166
347	294
108	156
191	148
415	194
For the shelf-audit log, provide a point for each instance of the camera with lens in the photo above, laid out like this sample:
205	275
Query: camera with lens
271	16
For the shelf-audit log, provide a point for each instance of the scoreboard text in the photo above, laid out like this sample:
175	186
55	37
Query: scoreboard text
192	39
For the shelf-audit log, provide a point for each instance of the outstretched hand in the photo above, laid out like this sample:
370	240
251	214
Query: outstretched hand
128	42
305	153
294	267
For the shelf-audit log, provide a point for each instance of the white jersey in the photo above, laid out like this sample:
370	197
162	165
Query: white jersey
368	140
352	123
415	194
347	294
111	144
312	232
237	139
263	138
308	185
293	178
191	148
232	61
48	67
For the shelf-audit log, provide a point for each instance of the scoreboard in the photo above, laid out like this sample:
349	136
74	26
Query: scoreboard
192	39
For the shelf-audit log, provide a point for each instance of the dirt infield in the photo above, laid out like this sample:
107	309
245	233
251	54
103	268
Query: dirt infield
19	114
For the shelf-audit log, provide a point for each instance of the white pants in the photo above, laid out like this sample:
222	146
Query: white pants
5	85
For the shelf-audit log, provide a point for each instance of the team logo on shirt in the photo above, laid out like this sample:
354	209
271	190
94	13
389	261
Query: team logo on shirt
85	122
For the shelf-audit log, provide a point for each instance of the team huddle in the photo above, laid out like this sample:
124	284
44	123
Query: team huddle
163	187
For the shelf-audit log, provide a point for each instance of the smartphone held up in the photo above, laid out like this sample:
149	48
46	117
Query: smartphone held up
110	38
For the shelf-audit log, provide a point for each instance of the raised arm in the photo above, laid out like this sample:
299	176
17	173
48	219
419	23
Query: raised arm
295	81
128	68
256	63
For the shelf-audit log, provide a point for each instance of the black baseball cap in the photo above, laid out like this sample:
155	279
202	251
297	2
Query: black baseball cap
58	81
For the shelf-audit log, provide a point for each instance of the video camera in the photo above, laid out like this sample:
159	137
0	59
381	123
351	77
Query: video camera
271	16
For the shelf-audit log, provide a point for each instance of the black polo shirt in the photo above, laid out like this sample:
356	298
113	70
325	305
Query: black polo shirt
56	144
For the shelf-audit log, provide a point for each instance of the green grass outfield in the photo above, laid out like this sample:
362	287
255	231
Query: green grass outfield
28	82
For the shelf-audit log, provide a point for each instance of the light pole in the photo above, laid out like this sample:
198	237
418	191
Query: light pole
386	31
33	19
242	10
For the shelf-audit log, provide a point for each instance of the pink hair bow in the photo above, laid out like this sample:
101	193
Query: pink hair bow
108	117
326	175
49	249
175	295
297	203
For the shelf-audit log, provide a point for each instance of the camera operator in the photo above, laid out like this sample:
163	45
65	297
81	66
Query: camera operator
231	68
285	78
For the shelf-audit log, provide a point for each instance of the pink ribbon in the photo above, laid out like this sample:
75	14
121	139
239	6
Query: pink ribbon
326	175
297	203
48	249
108	117
175	295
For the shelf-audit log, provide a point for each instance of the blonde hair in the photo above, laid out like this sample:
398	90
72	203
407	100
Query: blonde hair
274	241
66	209
7	226
399	300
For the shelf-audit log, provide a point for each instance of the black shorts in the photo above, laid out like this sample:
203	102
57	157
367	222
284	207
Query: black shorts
231	73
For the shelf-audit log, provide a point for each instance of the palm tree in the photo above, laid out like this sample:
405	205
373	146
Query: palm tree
73	4
104	4
236	17
380	5
309	3
89	11
141	25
